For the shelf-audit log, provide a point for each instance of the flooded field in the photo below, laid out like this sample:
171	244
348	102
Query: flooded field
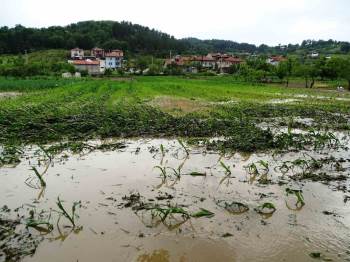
167	200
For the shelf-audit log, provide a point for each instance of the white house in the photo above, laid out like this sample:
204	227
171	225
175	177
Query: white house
205	61
77	53
114	59
314	55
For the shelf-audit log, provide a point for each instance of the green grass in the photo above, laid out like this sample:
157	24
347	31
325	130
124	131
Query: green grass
44	56
52	109
208	89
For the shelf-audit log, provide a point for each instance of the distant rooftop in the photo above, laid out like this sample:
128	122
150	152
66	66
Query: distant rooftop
85	62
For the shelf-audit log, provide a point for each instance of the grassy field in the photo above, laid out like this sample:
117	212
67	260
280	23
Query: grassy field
43	110
45	56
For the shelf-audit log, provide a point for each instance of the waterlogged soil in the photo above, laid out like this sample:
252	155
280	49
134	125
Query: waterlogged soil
304	218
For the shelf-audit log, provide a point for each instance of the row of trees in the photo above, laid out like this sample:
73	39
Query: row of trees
310	70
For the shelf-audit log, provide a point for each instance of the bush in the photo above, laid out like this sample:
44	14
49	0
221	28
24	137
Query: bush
207	73
108	72
84	73
120	71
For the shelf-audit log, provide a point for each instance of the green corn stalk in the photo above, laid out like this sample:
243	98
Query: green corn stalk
71	217
203	213
162	150
162	170
298	194
227	168
177	172
183	146
163	213
42	181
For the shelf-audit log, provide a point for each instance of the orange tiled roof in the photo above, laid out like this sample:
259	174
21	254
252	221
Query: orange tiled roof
204	59
278	58
115	53
233	59
85	62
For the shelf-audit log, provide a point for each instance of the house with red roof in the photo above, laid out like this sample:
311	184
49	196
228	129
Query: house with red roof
275	60
225	62
210	61
91	66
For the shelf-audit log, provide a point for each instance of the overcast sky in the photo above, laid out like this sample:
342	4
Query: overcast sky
253	21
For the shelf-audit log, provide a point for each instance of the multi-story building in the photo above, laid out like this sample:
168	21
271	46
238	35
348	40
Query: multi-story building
77	53
114	59
98	52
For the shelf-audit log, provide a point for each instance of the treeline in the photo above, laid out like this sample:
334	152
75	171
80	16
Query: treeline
310	70
196	46
106	34
137	39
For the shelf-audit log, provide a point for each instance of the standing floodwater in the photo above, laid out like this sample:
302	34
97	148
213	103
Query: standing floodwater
167	200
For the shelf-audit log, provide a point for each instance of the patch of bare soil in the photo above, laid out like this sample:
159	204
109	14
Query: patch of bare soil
179	105
9	94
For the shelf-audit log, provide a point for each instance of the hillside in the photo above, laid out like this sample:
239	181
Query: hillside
139	39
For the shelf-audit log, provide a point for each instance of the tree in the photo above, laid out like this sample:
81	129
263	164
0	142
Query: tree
309	71
234	69
115	44
281	71
342	67
329	69
345	47
142	63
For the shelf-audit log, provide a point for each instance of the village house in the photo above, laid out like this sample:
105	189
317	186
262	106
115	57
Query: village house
314	54
77	53
275	60
178	60
91	66
186	62
98	52
114	59
225	63
98	60
205	61
210	61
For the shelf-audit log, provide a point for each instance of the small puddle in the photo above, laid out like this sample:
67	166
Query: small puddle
284	101
121	194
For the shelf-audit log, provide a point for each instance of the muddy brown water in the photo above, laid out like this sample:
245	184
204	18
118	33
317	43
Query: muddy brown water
111	232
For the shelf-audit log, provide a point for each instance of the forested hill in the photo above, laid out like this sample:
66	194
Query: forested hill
139	39
86	35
